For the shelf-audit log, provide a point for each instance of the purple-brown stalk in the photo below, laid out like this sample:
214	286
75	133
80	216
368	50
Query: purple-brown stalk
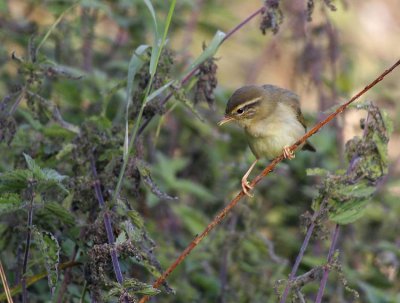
222	214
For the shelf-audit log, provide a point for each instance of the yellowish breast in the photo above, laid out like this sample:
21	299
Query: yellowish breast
268	137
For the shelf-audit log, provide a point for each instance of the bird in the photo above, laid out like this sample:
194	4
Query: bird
272	121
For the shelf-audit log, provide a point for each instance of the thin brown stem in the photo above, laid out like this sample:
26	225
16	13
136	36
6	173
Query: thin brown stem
326	269
220	216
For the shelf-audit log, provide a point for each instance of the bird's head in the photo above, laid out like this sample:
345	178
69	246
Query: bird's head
246	105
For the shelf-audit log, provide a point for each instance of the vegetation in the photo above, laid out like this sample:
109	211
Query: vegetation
112	165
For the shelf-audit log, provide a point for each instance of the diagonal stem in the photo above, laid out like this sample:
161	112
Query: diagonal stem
326	270
302	250
222	214
107	222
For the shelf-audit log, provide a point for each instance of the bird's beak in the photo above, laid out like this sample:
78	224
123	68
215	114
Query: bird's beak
226	119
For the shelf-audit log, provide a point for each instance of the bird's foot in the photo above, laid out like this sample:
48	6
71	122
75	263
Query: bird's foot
287	153
246	187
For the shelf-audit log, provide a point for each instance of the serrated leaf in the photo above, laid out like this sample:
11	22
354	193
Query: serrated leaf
57	210
50	249
66	150
136	218
136	287
32	166
15	181
10	202
349	211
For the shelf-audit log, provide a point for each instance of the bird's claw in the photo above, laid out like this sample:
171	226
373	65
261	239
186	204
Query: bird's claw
287	153
246	187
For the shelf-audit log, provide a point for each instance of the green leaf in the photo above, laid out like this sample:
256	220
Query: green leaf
210	50
159	91
136	219
349	201
15	181
10	202
50	249
136	287
121	238
349	211
46	177
57	210
157	43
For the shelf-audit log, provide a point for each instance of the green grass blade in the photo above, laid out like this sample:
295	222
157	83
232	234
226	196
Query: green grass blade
134	66
156	33
210	50
53	26
159	91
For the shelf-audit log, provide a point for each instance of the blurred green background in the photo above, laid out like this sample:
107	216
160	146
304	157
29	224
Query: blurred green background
185	168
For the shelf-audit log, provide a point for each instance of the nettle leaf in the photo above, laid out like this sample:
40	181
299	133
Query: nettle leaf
50	249
136	218
350	201
15	181
57	210
45	177
349	211
10	202
136	287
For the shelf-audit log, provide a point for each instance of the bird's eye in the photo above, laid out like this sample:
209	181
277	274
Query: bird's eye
240	111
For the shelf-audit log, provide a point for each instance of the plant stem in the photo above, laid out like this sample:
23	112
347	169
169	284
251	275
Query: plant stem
302	250
28	243
135	132
326	269
190	74
222	214
107	223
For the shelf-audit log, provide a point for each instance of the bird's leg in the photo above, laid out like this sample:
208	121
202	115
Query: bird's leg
245	184
287	153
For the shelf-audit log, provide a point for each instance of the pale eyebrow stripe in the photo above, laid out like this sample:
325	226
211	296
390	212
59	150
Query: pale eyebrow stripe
251	101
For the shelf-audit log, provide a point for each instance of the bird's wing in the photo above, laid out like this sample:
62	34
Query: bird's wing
289	98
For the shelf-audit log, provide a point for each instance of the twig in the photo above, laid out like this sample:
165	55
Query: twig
5	284
28	242
220	216
193	72
302	250
271	251
55	112
67	277
326	269
107	222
